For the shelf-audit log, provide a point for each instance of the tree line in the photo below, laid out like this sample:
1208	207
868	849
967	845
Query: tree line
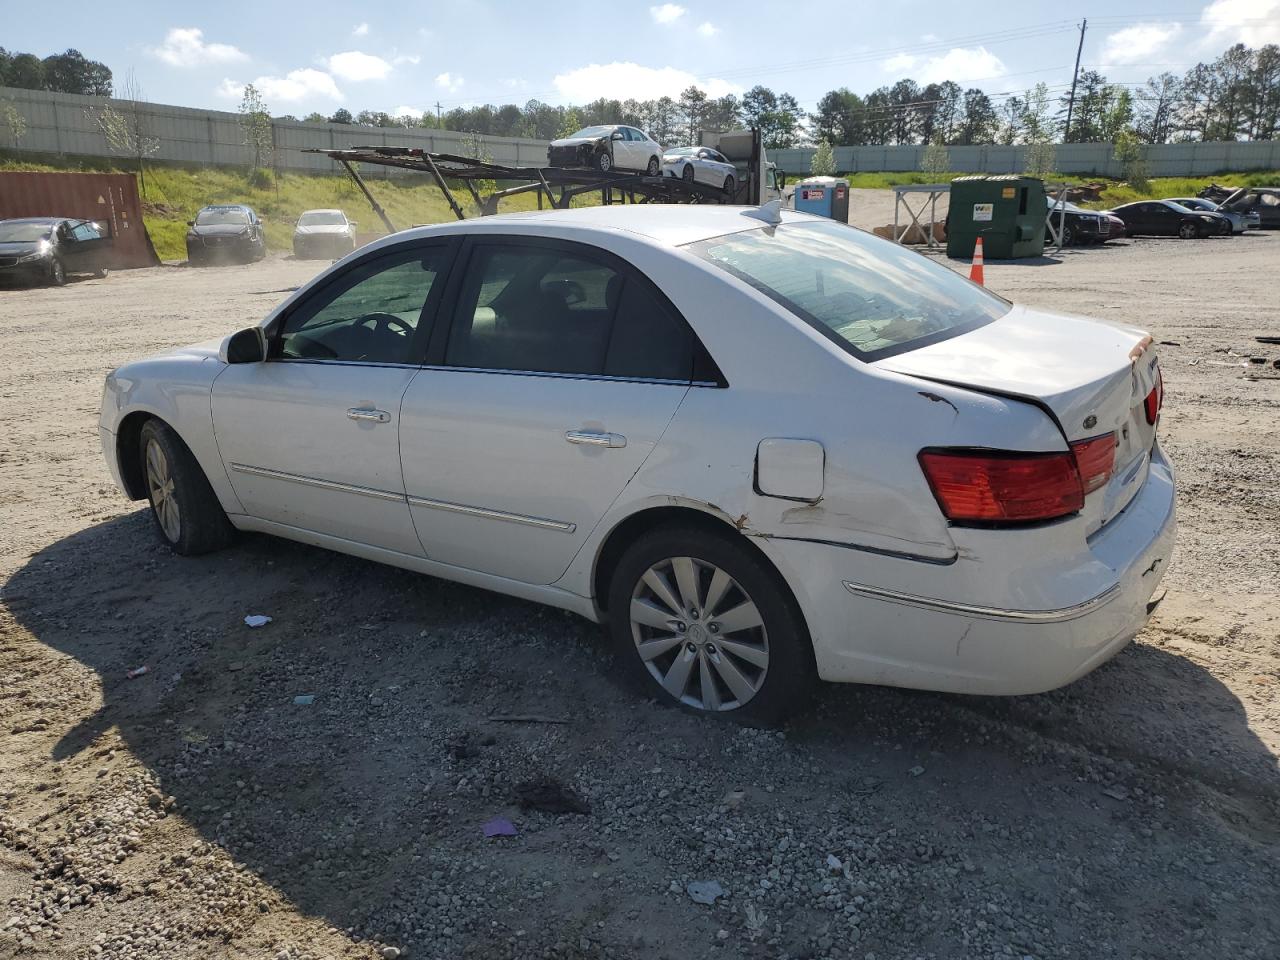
1236	96
67	72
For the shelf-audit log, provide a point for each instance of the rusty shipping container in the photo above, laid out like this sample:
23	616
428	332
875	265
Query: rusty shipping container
110	199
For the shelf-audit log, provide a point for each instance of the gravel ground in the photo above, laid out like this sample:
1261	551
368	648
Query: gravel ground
198	811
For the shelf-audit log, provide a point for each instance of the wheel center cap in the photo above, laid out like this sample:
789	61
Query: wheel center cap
698	633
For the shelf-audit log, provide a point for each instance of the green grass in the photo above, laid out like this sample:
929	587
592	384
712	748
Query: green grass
174	195
1116	192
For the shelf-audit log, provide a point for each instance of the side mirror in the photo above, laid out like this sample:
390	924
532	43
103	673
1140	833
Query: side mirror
246	346
191	223
617	135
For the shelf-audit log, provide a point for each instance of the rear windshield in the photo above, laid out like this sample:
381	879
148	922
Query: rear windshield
873	297
221	217
321	218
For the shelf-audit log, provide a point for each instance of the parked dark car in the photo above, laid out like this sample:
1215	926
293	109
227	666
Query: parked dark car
48	249
1264	201
607	147
1078	225
225	232
1163	218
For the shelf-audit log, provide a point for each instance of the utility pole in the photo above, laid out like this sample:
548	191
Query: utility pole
437	111
1071	103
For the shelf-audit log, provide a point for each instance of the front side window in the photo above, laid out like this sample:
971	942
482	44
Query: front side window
546	310
85	231
872	297
372	315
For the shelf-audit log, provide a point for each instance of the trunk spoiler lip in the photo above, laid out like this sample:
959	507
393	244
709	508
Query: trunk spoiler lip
993	392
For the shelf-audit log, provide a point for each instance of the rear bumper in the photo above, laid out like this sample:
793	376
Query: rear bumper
981	625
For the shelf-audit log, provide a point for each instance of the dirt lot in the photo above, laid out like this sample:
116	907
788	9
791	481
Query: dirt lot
196	811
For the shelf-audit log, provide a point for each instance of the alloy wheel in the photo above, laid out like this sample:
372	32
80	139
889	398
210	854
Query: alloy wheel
652	169
164	500
699	634
687	173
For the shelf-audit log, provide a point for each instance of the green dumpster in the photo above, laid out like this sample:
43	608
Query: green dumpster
1007	212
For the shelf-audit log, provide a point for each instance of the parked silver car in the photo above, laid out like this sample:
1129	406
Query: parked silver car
324	234
1240	221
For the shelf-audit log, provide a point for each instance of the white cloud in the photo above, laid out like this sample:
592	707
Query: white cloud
903	61
449	82
667	13
414	112
406	58
1134	44
185	47
929	38
961	64
708	29
622	80
361	30
357	66
294	86
1252	22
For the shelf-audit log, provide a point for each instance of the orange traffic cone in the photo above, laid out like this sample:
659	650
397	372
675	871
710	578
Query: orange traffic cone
975	272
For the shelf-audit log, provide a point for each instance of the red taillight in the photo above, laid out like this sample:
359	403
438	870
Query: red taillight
1095	459
1155	399
997	486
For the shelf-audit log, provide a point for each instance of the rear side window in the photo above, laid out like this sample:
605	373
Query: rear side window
541	309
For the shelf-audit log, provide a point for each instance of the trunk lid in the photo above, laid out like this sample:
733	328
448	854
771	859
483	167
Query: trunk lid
1084	371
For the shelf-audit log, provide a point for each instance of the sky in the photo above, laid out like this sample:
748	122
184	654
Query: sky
403	58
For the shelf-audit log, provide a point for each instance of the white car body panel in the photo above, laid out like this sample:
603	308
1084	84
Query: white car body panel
892	593
706	170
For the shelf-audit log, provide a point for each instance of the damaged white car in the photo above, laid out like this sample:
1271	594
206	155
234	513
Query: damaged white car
761	446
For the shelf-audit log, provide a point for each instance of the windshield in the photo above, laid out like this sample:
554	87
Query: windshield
1179	207
590	132
873	297
24	232
680	151
221	217
322	218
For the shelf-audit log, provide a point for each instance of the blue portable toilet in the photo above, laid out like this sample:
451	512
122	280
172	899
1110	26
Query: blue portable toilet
825	196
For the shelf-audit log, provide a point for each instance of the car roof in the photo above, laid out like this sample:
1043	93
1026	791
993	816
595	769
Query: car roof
46	220
670	224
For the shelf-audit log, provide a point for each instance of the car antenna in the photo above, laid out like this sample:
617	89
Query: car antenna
770	212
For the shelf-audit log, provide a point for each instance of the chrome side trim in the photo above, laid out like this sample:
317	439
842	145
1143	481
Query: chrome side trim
541	522
316	482
988	613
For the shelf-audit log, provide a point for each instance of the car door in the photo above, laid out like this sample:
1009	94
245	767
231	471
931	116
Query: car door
1164	221
88	242
309	437
637	154
560	370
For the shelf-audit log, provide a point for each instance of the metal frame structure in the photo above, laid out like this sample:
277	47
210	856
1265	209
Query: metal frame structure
556	185
931	201
1059	207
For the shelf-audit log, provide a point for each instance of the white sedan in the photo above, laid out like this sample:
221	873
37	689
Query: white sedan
700	165
763	447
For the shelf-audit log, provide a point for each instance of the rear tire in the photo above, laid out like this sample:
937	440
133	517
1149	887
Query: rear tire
101	273
738	646
1188	231
186	511
652	169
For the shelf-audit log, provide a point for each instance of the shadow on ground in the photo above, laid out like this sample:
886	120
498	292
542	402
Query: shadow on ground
363	806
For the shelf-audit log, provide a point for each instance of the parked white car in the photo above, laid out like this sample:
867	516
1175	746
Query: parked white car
762	446
326	234
700	165
607	147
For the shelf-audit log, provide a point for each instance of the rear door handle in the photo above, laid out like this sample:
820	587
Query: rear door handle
371	416
592	438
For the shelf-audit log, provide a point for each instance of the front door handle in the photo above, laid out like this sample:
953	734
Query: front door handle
593	438
371	416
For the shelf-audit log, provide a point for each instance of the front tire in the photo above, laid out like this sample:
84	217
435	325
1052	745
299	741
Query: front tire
704	622
185	509
57	273
687	173
101	273
604	161
730	187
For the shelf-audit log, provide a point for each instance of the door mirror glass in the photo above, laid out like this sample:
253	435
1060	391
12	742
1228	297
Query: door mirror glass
246	346
617	135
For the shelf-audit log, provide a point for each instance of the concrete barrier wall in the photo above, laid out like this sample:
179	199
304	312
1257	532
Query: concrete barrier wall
1163	159
63	123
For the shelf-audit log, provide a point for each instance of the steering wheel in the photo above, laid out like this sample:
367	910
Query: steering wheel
386	322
